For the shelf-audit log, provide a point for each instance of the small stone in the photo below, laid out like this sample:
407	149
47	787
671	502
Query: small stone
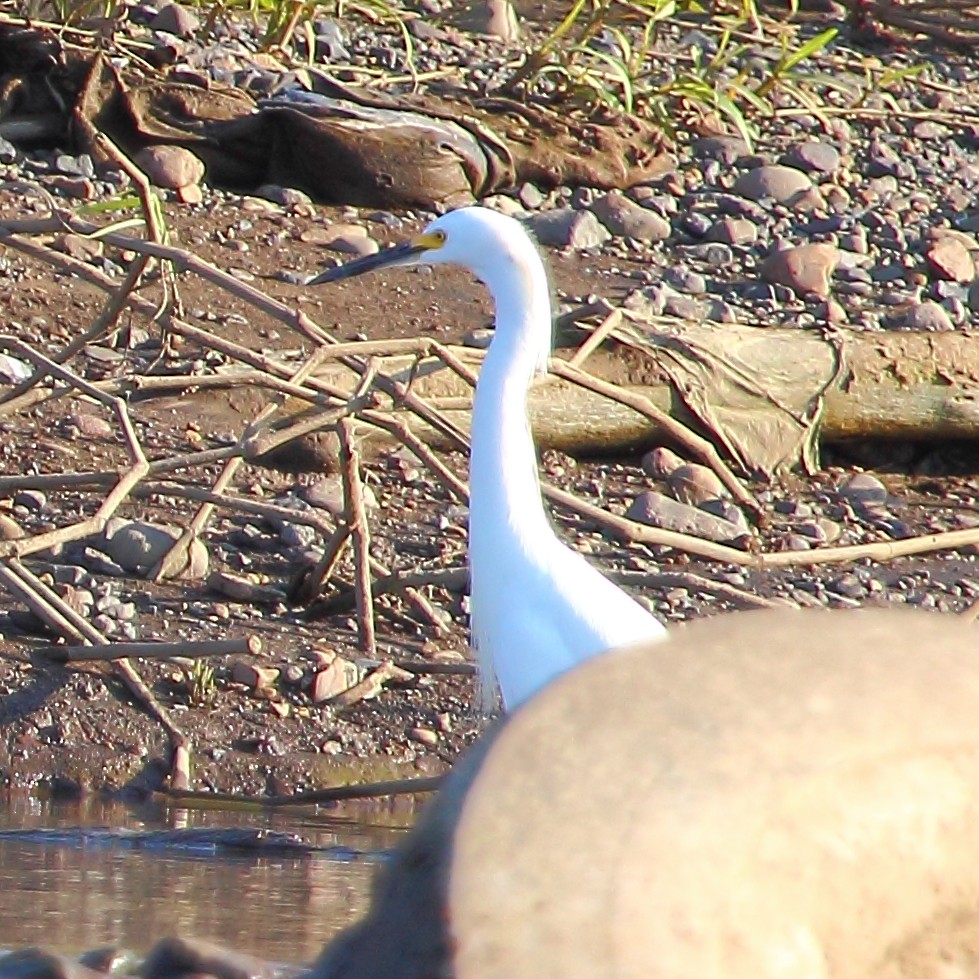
190	956
565	227
864	490
9	528
333	679
252	676
423	735
686	280
34	963
695	484
926	315
814	157
949	259
658	510
781	183
805	269
137	546
358	246
660	462
725	149
733	231
170	167
626	218
327	494
91	426
177	20
79	247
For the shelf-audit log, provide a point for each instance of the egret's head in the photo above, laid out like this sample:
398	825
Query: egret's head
475	237
497	249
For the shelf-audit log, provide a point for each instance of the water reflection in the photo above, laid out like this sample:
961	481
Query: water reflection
72	898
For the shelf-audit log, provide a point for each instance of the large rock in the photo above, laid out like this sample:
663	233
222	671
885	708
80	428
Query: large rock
787	794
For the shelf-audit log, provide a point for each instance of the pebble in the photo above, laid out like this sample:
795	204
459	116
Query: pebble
949	259
924	315
176	19
170	167
813	157
137	546
863	489
327	494
733	231
805	269
564	227
626	218
657	510
33	500
780	183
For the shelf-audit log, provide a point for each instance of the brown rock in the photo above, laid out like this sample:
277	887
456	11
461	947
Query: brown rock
695	484
252	676
949	259
170	167
805	269
79	247
334	679
796	801
9	528
660	462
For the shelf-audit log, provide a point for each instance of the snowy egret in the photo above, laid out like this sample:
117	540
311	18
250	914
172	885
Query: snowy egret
538	607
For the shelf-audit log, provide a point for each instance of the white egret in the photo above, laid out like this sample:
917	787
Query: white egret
538	607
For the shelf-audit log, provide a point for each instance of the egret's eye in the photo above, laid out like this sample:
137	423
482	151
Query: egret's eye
438	237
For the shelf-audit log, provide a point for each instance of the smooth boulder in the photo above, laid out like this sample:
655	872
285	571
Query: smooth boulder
789	794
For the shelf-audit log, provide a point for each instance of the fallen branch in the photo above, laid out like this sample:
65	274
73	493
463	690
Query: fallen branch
187	649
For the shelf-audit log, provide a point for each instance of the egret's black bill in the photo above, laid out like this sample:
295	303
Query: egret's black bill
403	254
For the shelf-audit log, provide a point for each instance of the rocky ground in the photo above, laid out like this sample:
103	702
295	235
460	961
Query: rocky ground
865	218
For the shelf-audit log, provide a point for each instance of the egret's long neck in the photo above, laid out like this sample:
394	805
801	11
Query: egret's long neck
503	470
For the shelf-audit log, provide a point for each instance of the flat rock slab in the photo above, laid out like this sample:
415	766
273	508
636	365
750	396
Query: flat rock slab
787	794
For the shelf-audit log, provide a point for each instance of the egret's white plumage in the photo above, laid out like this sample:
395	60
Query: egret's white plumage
538	607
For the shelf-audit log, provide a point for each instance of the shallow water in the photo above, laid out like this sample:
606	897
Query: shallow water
70	898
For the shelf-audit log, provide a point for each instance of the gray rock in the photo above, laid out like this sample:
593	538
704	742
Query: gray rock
531	196
327	494
137	546
657	510
724	149
330	41
188	956
564	227
626	218
97	562
685	307
175	19
686	280
780	183
864	490
696	224
813	157
882	160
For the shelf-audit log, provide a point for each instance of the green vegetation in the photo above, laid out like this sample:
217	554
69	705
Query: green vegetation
725	65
